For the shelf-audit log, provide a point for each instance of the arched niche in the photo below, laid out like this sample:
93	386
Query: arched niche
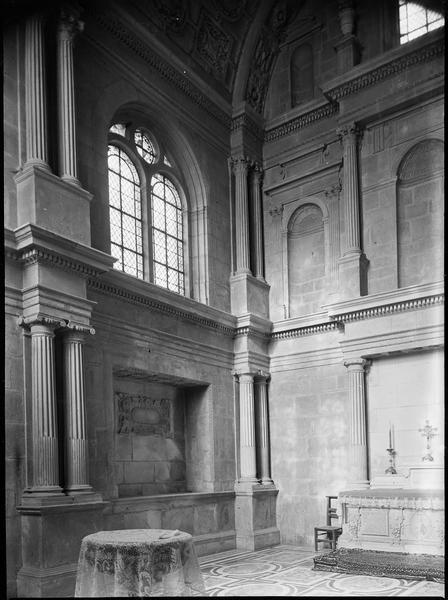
306	259
420	214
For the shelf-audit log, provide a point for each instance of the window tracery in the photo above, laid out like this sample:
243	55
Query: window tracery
147	226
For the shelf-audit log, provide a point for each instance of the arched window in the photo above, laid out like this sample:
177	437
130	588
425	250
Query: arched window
147	226
416	20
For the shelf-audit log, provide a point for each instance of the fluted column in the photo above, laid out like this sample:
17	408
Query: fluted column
248	468
241	216
67	28
76	479
262	428
358	425
349	138
45	463
35	94
257	212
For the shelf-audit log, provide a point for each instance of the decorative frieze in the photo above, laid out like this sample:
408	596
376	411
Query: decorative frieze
35	255
388	309
308	330
141	300
142	415
304	120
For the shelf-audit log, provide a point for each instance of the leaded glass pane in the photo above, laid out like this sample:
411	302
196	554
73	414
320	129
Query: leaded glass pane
167	231
416	20
125	213
118	128
144	146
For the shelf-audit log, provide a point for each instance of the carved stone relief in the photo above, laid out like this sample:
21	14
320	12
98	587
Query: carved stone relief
143	415
214	46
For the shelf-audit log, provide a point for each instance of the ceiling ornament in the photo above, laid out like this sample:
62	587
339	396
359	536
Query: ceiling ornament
173	14
214	46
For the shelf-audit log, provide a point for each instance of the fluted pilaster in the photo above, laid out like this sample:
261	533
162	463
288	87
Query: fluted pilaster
248	466
45	463
349	138
240	166
75	414
67	28
35	94
257	212
262	429
358	425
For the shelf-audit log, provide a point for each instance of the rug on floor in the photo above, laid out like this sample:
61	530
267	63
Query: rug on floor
382	564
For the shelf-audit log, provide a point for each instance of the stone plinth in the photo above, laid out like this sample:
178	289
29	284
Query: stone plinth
51	538
393	520
256	516
249	295
44	199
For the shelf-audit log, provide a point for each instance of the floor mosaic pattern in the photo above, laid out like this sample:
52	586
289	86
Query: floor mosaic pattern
287	571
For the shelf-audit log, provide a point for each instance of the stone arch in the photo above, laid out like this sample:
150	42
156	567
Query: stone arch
306	260
420	214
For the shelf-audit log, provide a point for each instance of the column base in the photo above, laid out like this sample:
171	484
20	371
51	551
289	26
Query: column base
256	516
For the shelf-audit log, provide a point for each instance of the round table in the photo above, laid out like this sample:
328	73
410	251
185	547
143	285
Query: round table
138	562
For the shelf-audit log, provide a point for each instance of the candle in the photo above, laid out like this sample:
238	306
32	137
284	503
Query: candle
393	436
390	437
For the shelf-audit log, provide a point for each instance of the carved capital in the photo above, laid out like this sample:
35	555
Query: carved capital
276	211
334	190
51	323
241	164
69	23
349	133
357	364
262	376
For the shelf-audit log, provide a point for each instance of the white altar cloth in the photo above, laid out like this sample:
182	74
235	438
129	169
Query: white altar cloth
138	562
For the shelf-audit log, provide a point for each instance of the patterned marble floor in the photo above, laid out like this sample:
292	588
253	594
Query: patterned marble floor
287	571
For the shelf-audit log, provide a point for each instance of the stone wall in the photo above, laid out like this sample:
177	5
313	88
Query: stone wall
404	392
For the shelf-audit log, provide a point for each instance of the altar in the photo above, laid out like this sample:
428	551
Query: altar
393	520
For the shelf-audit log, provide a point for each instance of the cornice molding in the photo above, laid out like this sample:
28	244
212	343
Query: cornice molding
387	69
301	121
249	331
244	121
127	37
109	289
307	330
388	309
41	255
30	244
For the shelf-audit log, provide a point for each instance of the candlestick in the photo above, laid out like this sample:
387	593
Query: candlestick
391	470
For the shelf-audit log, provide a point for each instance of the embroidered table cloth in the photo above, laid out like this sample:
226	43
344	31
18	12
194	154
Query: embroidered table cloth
138	562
